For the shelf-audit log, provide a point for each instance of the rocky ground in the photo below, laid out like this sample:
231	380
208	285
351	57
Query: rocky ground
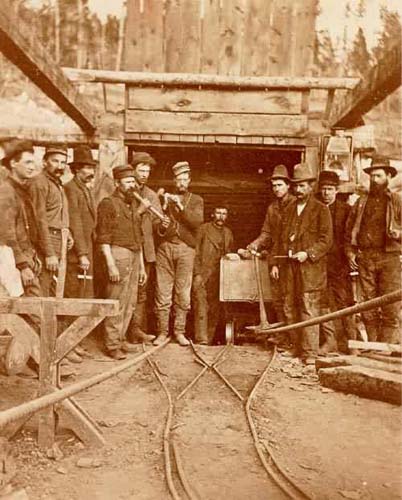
333	445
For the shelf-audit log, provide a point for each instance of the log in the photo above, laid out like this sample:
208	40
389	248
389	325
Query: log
374	346
213	81
364	382
334	361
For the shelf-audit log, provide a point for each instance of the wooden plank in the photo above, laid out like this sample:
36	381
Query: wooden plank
215	123
214	101
332	362
134	37
153	40
196	80
182	35
231	22
364	382
72	336
374	346
32	58
330	101
19	328
47	373
210	36
17	305
376	85
255	54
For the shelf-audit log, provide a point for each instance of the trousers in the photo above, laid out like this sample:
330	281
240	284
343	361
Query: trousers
47	278
174	274
207	308
125	291
380	273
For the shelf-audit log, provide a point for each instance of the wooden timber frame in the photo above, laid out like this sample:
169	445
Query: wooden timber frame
48	349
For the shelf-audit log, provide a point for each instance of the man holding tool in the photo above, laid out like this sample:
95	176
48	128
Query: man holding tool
214	240
280	183
120	238
305	239
373	246
175	256
51	212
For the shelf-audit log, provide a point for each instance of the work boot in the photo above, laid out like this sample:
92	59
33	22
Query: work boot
129	347
182	340
138	336
74	357
81	351
117	354
160	339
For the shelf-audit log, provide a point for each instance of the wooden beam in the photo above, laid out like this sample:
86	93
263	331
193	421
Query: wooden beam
380	82
63	307
73	335
374	346
32	58
215	123
209	81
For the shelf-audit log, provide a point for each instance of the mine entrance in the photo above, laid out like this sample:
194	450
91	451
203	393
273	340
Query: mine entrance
236	174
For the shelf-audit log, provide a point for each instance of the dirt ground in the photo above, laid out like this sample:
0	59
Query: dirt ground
333	445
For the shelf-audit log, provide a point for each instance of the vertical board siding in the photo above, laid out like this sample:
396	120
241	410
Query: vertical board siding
231	26
134	40
210	37
153	36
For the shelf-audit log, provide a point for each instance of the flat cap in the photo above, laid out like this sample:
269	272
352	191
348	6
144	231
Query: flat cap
180	168
123	171
13	147
53	149
142	157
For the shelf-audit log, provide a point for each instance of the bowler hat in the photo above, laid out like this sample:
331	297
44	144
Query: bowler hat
82	155
383	162
328	177
180	168
302	172
142	157
123	171
13	147
280	172
54	149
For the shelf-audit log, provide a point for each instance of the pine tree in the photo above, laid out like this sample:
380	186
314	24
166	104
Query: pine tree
390	34
358	58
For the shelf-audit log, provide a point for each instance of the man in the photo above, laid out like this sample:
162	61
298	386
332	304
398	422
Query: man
175	256
20	231
280	183
214	240
339	285
51	213
120	239
82	216
306	238
142	163
373	245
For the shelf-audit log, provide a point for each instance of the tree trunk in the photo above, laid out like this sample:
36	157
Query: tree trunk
120	44
57	31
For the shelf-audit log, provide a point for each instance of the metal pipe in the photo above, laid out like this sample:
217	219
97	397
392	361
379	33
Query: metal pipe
35	405
388	298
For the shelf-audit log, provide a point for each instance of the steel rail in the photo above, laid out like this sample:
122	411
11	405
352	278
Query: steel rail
386	299
42	402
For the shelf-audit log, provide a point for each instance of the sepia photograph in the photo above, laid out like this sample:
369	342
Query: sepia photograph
200	249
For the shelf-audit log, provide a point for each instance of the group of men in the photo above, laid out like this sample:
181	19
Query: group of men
313	241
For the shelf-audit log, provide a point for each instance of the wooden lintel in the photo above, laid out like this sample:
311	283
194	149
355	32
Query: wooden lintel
380	82
32	58
65	307
208	80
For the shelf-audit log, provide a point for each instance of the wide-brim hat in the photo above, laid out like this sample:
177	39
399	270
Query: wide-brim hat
142	157
13	147
82	155
123	171
328	177
382	162
280	172
302	172
180	168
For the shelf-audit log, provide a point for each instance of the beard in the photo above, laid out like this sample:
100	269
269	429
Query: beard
378	188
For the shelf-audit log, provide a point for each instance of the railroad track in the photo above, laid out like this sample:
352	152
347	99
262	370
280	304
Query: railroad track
179	484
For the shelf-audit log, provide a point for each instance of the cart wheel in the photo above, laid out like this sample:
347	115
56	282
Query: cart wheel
229	332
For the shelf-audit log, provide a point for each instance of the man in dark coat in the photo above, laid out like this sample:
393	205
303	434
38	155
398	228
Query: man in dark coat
19	230
51	213
82	214
306	238
373	247
175	256
339	285
142	163
270	230
214	240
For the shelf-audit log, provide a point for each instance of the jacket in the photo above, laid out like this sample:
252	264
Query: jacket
185	223
393	222
312	233
208	251
82	215
149	223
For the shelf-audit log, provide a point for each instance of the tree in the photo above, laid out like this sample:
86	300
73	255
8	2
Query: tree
358	58
390	34
325	61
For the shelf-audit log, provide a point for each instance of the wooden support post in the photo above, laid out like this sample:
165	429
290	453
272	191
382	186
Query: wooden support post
47	373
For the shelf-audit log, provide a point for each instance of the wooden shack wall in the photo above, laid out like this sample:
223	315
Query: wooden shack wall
226	37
